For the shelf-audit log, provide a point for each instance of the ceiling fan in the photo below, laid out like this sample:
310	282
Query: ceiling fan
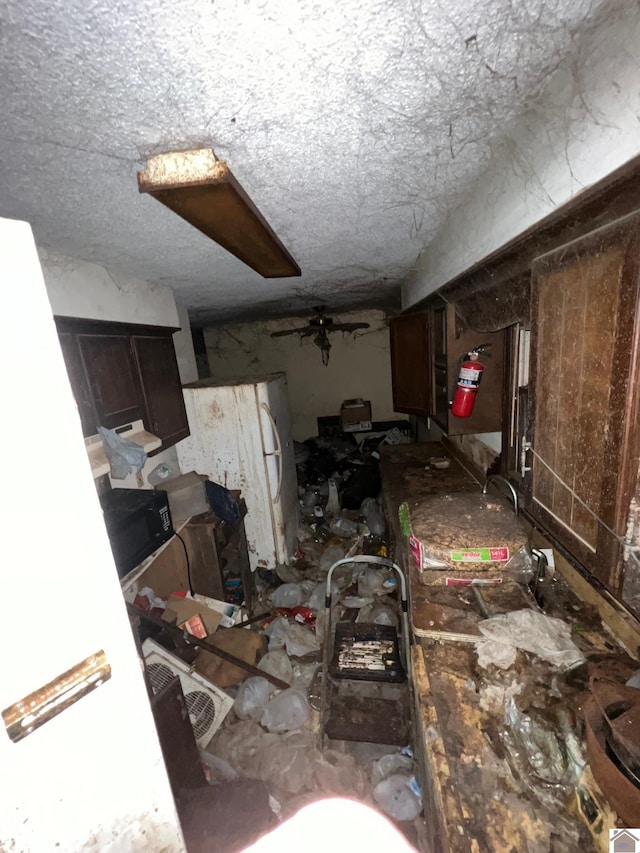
320	326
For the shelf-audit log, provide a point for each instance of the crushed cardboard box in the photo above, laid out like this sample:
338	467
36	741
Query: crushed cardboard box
243	643
184	612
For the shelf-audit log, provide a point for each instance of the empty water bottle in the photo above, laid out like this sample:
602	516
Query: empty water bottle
373	516
344	527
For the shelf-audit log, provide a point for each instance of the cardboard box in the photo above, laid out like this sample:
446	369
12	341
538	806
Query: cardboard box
183	610
355	415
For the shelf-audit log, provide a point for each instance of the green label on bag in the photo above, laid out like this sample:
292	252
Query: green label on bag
405	520
480	555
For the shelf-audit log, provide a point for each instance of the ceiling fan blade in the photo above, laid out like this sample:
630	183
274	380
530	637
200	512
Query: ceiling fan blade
346	327
305	330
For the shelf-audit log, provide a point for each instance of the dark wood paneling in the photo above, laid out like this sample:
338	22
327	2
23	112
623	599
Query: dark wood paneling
164	411
584	394
410	363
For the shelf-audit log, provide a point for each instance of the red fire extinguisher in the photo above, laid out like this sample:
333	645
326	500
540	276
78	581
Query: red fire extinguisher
468	382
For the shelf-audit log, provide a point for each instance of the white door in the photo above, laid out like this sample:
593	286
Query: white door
275	419
91	777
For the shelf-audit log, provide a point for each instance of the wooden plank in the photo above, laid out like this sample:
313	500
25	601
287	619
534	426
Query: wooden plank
441	802
600	297
548	334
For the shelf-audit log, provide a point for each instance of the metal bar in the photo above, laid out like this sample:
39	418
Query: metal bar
209	647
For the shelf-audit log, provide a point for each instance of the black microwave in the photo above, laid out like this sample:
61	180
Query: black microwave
138	521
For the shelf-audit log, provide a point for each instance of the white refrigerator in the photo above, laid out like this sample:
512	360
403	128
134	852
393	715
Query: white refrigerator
241	438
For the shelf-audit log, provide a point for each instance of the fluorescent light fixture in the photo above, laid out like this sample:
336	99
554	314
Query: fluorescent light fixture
201	189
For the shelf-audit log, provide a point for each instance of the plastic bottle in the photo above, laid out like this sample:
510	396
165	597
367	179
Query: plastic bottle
341	526
374	518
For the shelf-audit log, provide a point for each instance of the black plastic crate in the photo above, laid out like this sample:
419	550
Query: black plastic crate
366	651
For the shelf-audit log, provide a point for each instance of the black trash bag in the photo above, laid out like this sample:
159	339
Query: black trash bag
364	483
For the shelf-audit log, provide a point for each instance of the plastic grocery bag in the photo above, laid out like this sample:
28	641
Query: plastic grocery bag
122	454
285	711
277	663
399	796
542	635
252	697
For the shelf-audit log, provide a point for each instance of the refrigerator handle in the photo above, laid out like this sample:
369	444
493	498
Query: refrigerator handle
276	452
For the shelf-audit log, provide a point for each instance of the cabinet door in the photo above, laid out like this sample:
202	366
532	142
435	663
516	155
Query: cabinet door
111	373
165	414
78	381
410	368
584	416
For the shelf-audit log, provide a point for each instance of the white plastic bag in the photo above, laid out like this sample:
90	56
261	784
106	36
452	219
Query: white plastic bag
545	636
252	697
388	765
375	582
277	663
378	614
286	711
122	454
296	639
399	796
316	599
287	595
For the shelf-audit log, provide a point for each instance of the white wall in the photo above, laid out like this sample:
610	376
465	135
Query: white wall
359	365
586	125
184	347
80	289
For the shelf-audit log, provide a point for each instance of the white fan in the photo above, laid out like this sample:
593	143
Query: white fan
207	704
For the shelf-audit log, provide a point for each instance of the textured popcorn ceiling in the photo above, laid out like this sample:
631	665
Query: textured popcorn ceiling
354	125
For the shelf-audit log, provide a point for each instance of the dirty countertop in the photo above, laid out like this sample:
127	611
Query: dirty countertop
498	773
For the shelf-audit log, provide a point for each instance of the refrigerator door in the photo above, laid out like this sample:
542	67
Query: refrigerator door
280	466
226	445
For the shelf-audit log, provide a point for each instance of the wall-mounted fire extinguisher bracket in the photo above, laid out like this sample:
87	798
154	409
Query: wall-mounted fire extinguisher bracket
468	381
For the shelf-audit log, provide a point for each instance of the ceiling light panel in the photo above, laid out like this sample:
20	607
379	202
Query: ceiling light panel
203	191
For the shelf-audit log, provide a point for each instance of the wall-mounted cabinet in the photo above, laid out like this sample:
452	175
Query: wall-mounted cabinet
123	373
426	351
410	371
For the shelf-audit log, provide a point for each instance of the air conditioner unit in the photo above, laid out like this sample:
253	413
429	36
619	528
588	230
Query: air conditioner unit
206	703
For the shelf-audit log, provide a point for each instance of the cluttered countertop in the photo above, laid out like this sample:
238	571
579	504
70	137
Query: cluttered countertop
500	682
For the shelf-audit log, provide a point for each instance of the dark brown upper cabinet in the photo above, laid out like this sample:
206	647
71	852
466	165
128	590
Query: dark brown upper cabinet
584	395
122	373
164	408
79	383
410	367
112	377
426	351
